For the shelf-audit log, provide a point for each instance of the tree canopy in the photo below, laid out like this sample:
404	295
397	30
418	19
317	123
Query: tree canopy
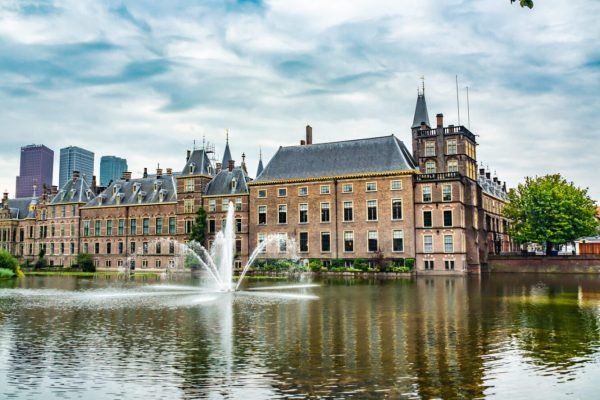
524	3
198	232
550	210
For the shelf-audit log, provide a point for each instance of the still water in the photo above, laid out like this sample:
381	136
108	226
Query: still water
499	336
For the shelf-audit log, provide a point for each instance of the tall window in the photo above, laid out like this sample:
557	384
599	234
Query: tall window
96	228
120	247
145	247
348	211
428	243
430	167
452	166
282	242
447	192
225	205
133	226
108	247
109	225
397	240
427	222
447	217
449	264
132	248
189	185
261	239
121	228
188	226
238	204
448	244
396	209
372	241
428	264
146	226
262	215
212	205
303	213
238	224
86	228
348	241
282	215
96	248
371	210
158	225
325	212
429	149
303	241
325	241
238	246
427	194
212	226
188	206
172	225
451	147
158	248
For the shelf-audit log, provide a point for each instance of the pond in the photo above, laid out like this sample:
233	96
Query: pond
499	336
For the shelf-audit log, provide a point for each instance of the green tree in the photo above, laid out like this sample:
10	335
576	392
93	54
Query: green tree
9	262
524	3
198	232
86	262
41	263
550	210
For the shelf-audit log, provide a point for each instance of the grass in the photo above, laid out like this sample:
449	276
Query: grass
85	274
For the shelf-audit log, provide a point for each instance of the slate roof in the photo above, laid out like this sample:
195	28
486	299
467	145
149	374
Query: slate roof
379	154
221	184
260	168
137	191
420	112
202	165
491	188
226	156
76	190
19	208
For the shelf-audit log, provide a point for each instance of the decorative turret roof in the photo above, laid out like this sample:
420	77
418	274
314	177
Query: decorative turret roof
260	168
421	114
226	154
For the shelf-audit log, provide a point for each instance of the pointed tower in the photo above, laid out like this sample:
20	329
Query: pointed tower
421	114
226	153
260	168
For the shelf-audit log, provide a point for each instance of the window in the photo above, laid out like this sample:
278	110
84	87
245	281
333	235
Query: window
427	194
238	246
262	215
172	225
62	248
212	226
282	242
146	226
109	225
347	188
121	227
449	264
430	167
428	243
372	241
303	241
86	228
96	248
212	205
303	191
303	213
427	220
428	264
348	241
262	193
325	189
451	147
120	247
107	263
446	192
188	206
371	186
325	212
396	185
447	217
108	248
225	205
188	226
262	237
144	263
429	149
171	247
282	192
348	211
53	212
158	225
397	240
158	248
325	241
132	248
238	224
238	204
133	227
51	248
157	263
448	243
189	185
396	209
371	210
282	214
85	248
452	166
72	248
63	211
73	210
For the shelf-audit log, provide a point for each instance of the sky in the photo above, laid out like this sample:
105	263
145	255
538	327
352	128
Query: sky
145	79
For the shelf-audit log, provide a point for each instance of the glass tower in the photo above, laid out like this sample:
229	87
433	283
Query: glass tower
111	169
37	163
74	158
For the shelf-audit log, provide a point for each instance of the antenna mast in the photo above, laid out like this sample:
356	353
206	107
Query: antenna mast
457	101
468	110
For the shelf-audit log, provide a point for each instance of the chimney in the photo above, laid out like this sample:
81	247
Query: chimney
488	175
308	134
145	172
495	179
189	153
440	120
5	199
302	142
126	176
231	165
169	171
504	186
75	174
93	187
158	172
218	167
481	171
54	190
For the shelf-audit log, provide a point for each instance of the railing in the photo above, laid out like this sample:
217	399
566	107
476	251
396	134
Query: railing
439	176
449	130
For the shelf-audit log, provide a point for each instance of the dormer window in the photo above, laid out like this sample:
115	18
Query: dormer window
233	184
136	186
161	195
192	168
116	189
73	192
100	199
157	184
140	196
89	194
119	198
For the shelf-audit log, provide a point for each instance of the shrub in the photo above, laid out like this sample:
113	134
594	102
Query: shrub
10	263
337	263
6	273
361	264
409	263
315	265
86	262
401	269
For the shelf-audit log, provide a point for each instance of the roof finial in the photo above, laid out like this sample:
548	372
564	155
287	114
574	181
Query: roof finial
423	84
260	152
227	135
243	157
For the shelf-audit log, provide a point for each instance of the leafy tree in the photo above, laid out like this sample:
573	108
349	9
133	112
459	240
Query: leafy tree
550	210
41	263
524	3
198	232
86	262
9	262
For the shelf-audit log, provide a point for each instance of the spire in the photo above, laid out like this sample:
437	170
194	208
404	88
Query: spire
421	109
259	170
227	153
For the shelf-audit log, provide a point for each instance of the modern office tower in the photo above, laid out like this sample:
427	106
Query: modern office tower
37	162
74	158
111	169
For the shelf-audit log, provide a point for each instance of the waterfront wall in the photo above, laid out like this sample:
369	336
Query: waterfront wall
543	264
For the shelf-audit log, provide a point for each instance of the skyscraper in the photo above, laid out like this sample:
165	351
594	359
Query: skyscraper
111	169
37	162
74	158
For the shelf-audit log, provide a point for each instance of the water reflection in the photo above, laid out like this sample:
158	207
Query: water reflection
442	337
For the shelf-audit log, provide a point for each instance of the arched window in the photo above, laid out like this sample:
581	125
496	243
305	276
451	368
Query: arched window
430	167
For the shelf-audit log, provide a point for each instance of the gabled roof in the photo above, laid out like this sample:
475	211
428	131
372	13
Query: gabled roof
200	162
222	183
76	190
19	208
380	154
137	191
421	114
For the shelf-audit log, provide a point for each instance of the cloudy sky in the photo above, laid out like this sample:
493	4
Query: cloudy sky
144	79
